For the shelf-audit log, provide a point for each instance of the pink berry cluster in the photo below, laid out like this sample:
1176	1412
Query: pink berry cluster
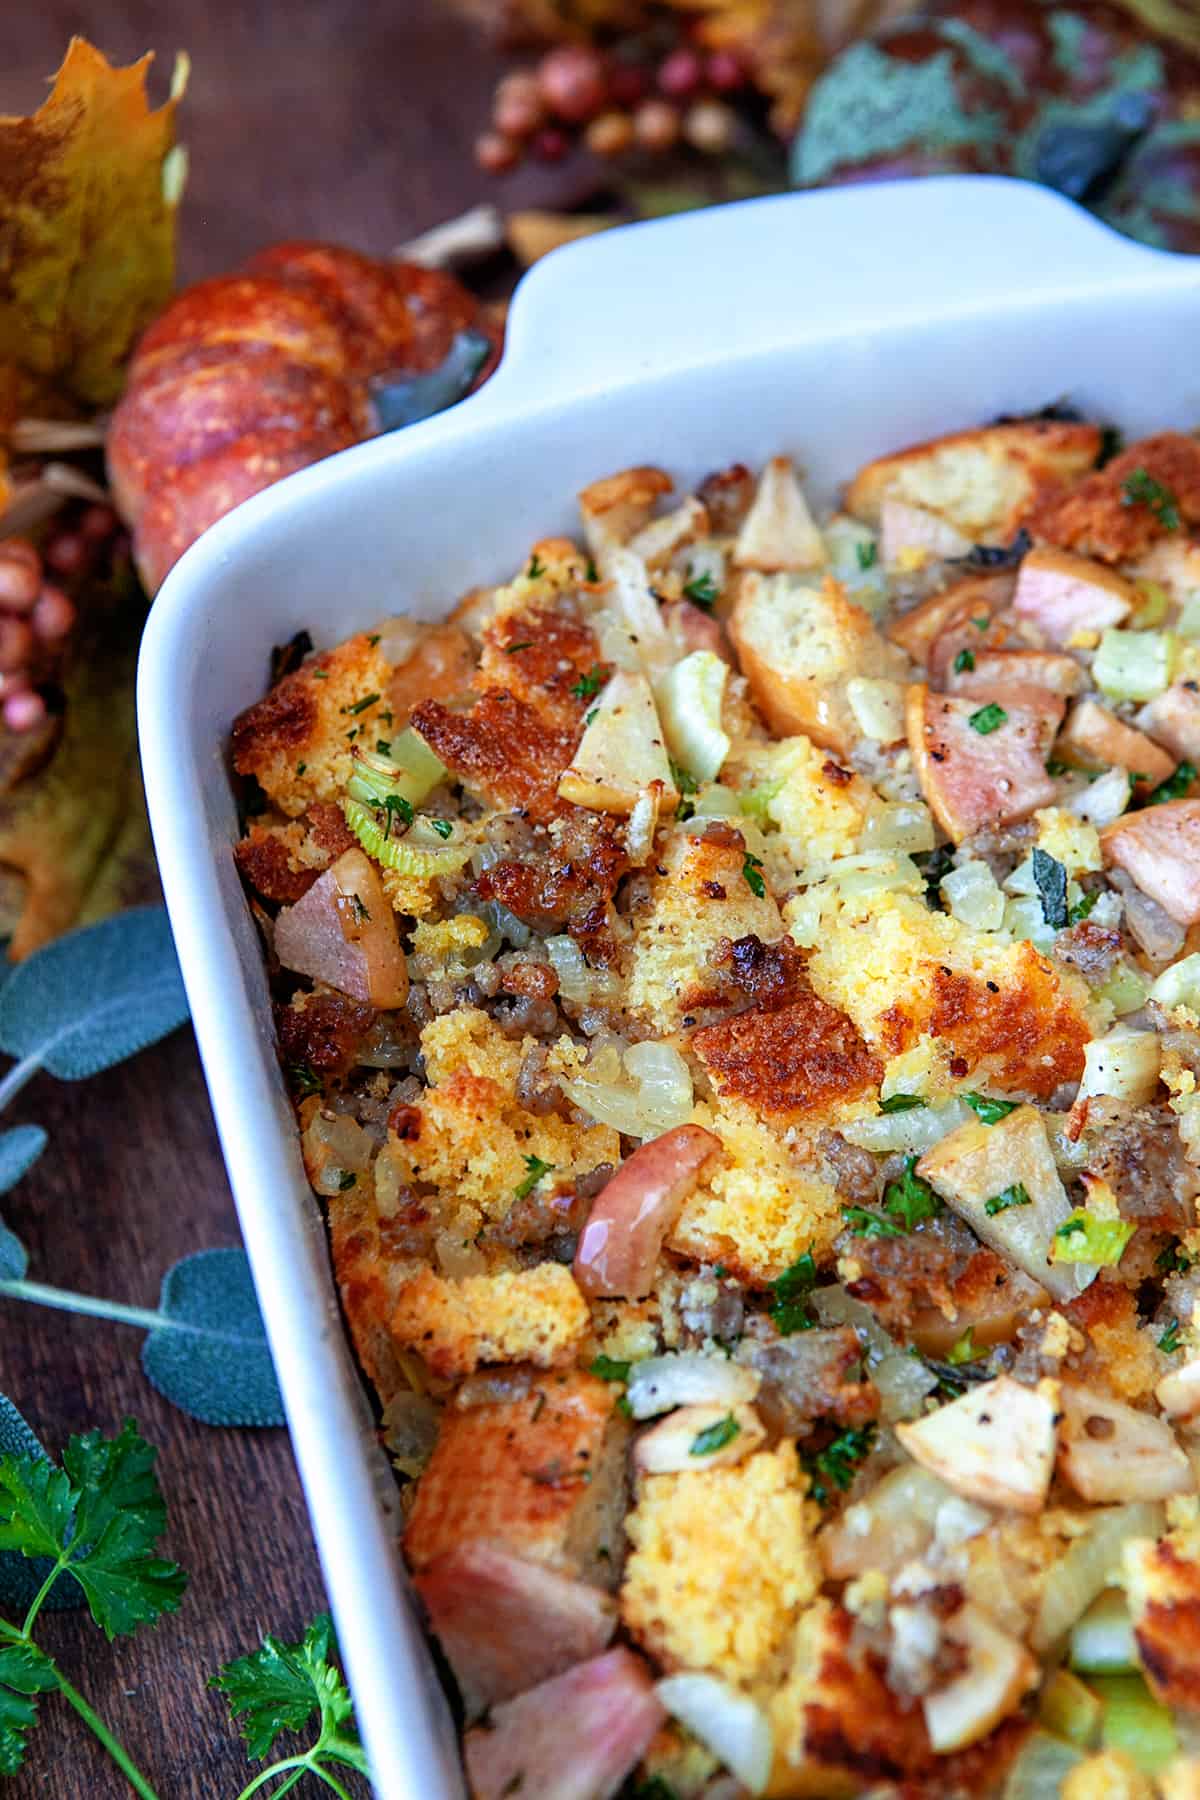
37	615
614	104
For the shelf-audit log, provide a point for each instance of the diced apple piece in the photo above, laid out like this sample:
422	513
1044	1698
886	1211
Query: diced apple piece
574	1738
977	1165
778	532
1111	1453
1160	848
1173	718
617	506
798	645
1179	1392
972	602
677	1443
994	1445
910	536
972	778
621	753
505	1623
1062	594
1049	671
999	1672
1096	739
732	1726
344	932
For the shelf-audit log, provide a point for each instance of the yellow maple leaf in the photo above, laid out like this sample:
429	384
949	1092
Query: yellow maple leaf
89	187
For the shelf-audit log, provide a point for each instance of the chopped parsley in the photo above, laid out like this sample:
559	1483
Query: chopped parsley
835	1465
715	1437
589	716
1173	1261
304	1079
789	1296
1015	1195
443	827
347	1181
1050	879
935	865
537	1168
609	1368
896	1103
300	768
989	718
588	685
989	1110
702	590
963	1349
1056	768
362	705
1175	786
964	661
511	649
591	572
383	746
397	807
910	1199
1168	1343
750	872
868	555
1082	908
320	674
536	567
982	622
1140	488
864	1223
684	782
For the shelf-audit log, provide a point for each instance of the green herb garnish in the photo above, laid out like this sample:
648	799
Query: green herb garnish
1082	908
304	1080
537	1168
684	782
590	571
864	1223
750	872
868	555
964	661
589	684
1056	768
702	590
963	1349
279	1688
397	807
836	1464
589	716
362	705
346	1181
989	718
443	827
610	1368
715	1437
1050	879
536	567
1175	786
1084	1238
1168	1343
911	1199
901	1103
1140	488
1173	1261
989	1110
1015	1195
383	746
511	649
789	1296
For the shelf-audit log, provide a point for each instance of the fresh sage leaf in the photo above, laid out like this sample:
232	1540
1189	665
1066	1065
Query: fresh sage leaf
210	1356
92	998
14	1258
21	1577
1050	878
19	1150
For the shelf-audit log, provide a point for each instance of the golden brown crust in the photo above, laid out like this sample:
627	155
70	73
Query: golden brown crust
788	1062
263	860
1100	518
502	749
542	655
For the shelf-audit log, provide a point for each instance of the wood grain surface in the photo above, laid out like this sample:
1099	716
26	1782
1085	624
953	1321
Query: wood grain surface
347	119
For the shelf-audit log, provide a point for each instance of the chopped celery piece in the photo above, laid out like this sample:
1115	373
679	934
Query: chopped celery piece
756	801
1188	625
1102	1642
416	854
1180	984
689	699
1135	1722
1152	606
407	768
1084	1238
1126	989
1134	665
900	825
716	802
1070	1710
1041	1768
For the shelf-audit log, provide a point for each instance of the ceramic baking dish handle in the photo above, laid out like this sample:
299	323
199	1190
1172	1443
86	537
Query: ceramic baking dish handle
616	308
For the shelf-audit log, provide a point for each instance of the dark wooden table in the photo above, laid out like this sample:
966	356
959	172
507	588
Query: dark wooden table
346	119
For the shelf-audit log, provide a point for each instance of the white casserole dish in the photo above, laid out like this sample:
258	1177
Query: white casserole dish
835	326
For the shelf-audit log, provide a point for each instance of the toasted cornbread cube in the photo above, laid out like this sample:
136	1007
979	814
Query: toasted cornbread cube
819	807
297	741
798	643
698	896
984	482
533	1315
542	1476
1104	515
722	1564
789	1063
1162	1582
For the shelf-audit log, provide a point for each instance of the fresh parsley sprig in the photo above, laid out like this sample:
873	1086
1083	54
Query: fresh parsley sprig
281	1687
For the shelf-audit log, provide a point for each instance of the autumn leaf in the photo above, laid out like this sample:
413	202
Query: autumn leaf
88	192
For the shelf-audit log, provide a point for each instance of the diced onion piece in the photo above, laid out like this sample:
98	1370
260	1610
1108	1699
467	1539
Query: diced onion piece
409	768
999	1672
855	561
1135	1722
890	1526
913	1131
716	802
1092	1563
1136	1458
1041	1767
576	980
867	871
1102	1642
904	1384
643	823
1104	800
734	1728
343	932
900	825
994	1445
878	708
690	696
778	532
620	1244
1179	985
1025	919
1134	665
1188	623
1126	989
421	852
689	1378
1124	1063
410	1430
621	753
630	602
974	896
662	1077
646	1092
699	1437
